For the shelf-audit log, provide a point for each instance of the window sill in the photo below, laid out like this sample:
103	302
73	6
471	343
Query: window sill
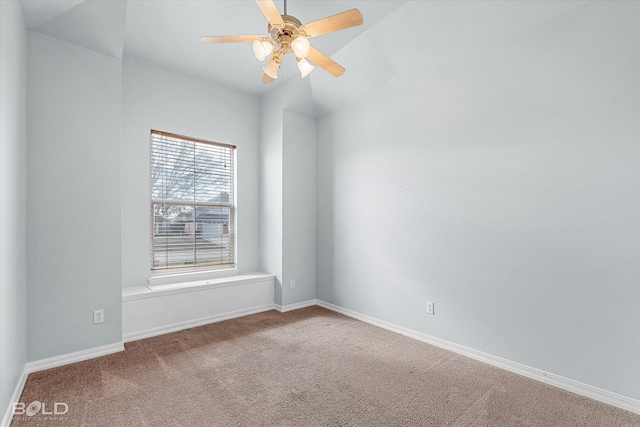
190	276
150	291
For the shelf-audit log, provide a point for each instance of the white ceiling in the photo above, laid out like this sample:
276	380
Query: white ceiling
398	41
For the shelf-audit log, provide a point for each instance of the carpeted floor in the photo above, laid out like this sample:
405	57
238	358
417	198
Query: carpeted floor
309	367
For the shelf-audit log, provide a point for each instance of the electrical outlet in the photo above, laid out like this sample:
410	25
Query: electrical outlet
430	307
293	283
98	316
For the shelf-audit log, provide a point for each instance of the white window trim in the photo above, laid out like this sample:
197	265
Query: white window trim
180	275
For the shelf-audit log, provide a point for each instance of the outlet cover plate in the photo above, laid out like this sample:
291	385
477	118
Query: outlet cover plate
430	307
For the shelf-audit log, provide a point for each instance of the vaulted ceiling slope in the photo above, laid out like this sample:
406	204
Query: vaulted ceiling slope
94	24
398	41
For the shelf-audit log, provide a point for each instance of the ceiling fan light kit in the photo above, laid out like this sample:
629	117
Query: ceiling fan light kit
286	34
262	49
304	66
301	47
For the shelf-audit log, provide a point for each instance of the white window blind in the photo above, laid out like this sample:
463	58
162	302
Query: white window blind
192	212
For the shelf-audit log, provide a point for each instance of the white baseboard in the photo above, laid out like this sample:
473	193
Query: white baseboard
15	398
595	393
296	306
54	362
193	323
78	356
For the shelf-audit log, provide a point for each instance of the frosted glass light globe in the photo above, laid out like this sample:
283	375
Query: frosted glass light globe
301	46
305	67
262	49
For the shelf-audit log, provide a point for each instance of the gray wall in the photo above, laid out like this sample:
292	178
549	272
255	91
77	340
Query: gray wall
271	187
503	186
287	191
299	208
157	98
73	197
13	201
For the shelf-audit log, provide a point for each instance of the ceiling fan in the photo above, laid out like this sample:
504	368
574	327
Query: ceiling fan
287	34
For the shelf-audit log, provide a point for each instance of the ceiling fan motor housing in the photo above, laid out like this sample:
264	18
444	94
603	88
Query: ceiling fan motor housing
287	33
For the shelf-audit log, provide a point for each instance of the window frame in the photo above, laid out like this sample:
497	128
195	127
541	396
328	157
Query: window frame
231	206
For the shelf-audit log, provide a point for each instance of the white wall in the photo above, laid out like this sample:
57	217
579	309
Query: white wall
503	186
157	98
299	208
73	197
13	201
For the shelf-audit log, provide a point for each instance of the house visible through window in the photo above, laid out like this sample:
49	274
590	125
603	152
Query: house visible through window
192	212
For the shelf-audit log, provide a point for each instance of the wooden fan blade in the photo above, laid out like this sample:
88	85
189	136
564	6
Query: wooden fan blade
340	21
230	39
326	63
271	12
266	78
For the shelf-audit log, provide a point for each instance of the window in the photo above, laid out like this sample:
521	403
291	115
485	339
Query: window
192	212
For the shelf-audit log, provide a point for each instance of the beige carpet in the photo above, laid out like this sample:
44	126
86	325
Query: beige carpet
309	367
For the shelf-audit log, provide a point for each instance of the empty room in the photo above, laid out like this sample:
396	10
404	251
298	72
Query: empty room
319	213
